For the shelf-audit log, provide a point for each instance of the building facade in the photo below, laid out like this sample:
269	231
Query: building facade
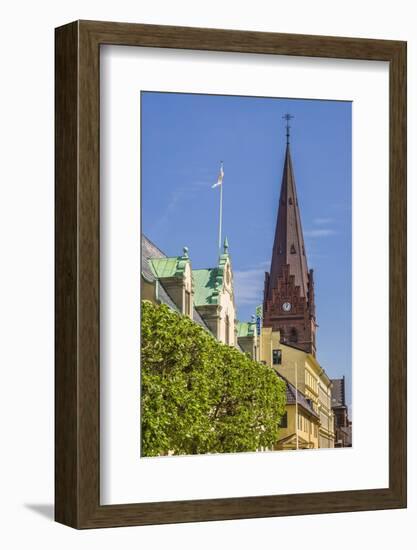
248	339
299	426
343	425
303	371
204	295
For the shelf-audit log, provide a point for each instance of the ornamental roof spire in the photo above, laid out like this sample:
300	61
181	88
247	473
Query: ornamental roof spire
226	246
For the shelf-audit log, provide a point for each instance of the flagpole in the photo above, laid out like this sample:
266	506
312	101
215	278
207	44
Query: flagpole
217	184
220	217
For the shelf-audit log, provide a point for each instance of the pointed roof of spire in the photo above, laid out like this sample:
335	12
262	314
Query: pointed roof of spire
289	241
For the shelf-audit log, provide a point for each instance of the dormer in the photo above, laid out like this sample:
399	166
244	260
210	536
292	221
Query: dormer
175	274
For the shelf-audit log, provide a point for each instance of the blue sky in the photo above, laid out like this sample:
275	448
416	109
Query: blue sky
185	136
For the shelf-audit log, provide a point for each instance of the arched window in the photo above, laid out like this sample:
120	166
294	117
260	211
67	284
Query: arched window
293	335
290	200
228	275
293	249
188	303
227	329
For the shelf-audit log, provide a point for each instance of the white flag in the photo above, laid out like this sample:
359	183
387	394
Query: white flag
220	178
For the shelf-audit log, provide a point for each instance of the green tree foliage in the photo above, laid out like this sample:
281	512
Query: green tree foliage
200	396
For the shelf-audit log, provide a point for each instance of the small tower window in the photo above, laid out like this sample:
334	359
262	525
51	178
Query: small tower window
293	335
290	200
227	329
293	251
187	303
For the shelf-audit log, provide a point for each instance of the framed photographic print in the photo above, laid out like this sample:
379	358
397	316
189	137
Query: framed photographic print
230	274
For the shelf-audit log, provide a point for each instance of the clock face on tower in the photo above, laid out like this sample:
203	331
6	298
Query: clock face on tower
286	306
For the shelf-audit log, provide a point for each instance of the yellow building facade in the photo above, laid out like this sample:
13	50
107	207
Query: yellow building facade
304	373
300	425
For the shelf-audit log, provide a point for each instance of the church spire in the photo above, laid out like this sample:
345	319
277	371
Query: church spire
289	287
289	246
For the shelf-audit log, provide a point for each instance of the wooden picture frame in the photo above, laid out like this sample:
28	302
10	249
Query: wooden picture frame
77	382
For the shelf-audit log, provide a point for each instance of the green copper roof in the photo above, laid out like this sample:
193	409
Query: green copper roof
245	329
209	282
206	285
164	267
169	267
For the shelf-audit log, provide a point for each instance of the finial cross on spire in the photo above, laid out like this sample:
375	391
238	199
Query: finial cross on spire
288	117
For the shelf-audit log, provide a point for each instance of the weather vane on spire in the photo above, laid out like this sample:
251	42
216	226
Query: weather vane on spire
288	117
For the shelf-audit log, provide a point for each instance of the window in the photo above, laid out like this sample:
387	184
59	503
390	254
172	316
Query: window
293	251
276	357
227	336
187	303
293	335
284	421
290	200
310	381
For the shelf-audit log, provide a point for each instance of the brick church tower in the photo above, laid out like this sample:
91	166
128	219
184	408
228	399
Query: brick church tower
289	286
